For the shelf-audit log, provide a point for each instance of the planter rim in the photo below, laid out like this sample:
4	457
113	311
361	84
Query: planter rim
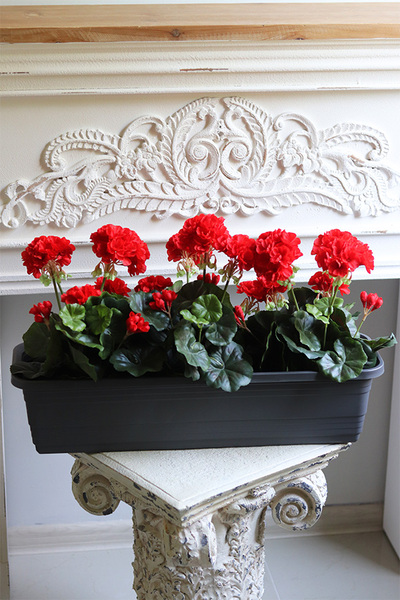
258	377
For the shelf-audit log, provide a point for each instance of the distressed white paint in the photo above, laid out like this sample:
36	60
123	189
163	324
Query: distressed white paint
199	515
194	67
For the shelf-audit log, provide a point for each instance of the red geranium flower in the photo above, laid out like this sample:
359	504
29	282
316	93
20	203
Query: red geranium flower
321	281
135	323
79	295
209	278
275	253
239	316
41	311
112	286
163	300
120	245
153	282
199	235
47	254
340	253
370	302
242	249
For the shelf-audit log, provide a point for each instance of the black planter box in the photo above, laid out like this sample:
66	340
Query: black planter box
170	413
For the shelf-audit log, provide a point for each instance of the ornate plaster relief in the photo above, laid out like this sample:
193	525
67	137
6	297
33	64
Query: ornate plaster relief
213	155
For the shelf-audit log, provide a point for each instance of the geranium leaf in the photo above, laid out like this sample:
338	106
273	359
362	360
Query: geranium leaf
228	369
113	334
315	311
138	359
188	316
139	303
309	333
194	352
223	332
82	361
73	315
382	342
345	362
98	318
36	340
207	308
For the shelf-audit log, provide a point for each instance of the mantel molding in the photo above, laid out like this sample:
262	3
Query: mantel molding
215	67
180	22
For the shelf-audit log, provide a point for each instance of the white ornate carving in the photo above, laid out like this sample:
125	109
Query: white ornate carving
298	504
213	155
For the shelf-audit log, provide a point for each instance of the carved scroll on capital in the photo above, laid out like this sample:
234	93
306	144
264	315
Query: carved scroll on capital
93	491
298	504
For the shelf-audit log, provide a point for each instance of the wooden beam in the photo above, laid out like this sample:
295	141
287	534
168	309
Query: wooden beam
177	22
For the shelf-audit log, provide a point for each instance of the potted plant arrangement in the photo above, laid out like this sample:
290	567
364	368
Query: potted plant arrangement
182	364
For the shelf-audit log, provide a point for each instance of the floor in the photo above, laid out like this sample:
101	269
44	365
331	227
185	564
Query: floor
359	566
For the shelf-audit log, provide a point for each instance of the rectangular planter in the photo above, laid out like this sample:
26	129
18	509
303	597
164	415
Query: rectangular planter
166	413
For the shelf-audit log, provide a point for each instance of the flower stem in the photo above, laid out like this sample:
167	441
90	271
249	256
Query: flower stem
56	293
295	299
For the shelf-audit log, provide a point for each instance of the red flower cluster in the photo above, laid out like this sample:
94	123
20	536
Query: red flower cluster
112	286
200	235
135	324
120	245
260	289
209	278
41	311
275	252
370	302
242	249
79	295
340	253
47	254
323	282
153	282
162	300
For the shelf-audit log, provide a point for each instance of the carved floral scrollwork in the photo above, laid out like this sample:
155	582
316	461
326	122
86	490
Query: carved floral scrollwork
298	504
213	155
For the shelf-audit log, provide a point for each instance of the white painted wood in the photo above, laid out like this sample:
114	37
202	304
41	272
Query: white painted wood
198	68
391	516
199	515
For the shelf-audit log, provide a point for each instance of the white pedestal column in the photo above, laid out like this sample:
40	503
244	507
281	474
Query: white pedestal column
198	520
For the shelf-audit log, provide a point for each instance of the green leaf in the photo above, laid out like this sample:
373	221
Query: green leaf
207	308
82	361
315	311
139	304
228	369
73	315
188	316
36	340
192	372
27	370
308	329
382	342
98	318
138	359
194	352
345	362
224	331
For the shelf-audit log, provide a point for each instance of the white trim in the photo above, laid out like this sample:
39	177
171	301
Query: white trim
75	537
195	67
